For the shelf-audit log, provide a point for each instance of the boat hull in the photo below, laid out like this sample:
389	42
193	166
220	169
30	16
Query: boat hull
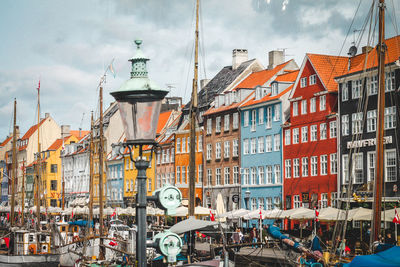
48	260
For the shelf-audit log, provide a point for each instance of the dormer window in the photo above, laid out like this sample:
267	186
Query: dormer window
274	89
313	79
258	92
227	100
303	82
234	96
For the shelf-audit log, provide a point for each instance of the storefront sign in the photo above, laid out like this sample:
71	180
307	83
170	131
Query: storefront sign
235	198
368	142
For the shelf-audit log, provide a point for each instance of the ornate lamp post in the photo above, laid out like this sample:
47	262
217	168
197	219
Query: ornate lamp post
139	100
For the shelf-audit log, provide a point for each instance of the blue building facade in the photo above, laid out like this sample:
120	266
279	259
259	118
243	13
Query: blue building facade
115	182
4	181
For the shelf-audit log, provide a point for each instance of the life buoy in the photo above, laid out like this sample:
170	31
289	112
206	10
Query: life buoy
32	248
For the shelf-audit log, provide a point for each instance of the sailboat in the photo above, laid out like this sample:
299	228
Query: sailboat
26	247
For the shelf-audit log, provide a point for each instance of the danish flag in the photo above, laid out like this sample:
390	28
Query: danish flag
212	217
396	218
316	215
114	213
261	217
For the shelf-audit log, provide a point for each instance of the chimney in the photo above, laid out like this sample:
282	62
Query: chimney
46	115
80	130
203	83
238	57
366	49
65	131
275	58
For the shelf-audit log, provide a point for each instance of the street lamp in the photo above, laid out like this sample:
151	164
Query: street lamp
139	100
247	198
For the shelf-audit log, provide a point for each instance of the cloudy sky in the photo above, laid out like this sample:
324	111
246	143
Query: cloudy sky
68	45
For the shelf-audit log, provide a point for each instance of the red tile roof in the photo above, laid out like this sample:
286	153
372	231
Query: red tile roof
162	120
260	77
76	133
32	130
267	97
58	143
288	76
5	142
328	67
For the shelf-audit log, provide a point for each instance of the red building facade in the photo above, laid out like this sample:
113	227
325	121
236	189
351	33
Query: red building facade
310	157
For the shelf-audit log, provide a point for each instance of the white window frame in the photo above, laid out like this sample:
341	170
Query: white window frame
313	104
226	122
268	143
227	148
253	145
392	164
277	142
287	137
345	125
333	163
296	168
261	174
268	174
183	147
304	167
261	116
345	92
357	123
390	117
345	169
314	166
218	150
209	126
295	108
288	168
332	129
235	174
371	121
235	124
218	124
358	168
253	120
209	152
277	112
227	175
313	79
218	176
235	149
253	173
296	201
323	161
322	131
304	107
295	136
246	118
304	134
371	165
356	89
261	144
303	82
246	147
277	174
324	200
322	102
268	120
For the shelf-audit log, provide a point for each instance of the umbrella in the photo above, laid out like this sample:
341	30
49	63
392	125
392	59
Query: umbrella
254	214
331	214
191	224
236	214
181	212
285	213
302	214
199	210
273	214
220	207
360	214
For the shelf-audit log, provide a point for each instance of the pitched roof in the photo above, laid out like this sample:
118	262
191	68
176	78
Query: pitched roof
231	106
162	120
32	130
267	97
370	59
218	84
58	143
260	77
79	135
5	142
288	76
328	67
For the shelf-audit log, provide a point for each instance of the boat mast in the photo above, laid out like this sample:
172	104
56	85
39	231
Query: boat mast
377	204
23	194
102	248
91	176
38	169
14	165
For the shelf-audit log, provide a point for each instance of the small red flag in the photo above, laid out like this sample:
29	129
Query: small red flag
38	88
8	216
396	218
316	215
114	213
261	217
212	217
72	214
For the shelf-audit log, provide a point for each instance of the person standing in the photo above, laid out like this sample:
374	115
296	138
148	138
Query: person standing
236	239
254	236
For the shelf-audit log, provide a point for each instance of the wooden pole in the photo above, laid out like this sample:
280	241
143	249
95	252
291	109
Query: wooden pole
91	175
14	165
379	175
38	170
101	195
23	195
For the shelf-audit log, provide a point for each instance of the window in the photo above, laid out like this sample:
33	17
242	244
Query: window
333	163
227	175
303	82
288	168
274	89
390	165
269	203
261	144
371	120
235	174
296	201
261	174
260	115
324	164
356	89
296	168
200	173
345	92
254	204
227	146
218	124
253	120
277	170
269	174
183	175
372	85
261	203
313	79
304	134
287	137
53	185
295	108
390	117
246	118
324	200
158	157
188	145
200	143
246	176
209	151
304	167
304	107
209	176
277	112
345	168
209	127
183	148
332	129
358	168
389	81
218	150
53	168
226	122
235	150
314	166
371	161
322	131
313	105
345	124
178	174
269	117
322	102
253	173
356	123
295	135
334	200
268	143
277	142
253	145
277	202
235	120
172	154
218	176
246	146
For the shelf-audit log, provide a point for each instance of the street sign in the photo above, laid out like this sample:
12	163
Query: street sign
235	198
